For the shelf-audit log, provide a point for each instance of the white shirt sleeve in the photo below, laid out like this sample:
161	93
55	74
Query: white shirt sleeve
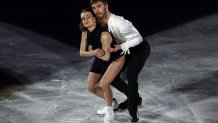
130	33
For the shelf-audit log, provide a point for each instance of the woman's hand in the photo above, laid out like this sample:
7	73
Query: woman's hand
99	52
115	49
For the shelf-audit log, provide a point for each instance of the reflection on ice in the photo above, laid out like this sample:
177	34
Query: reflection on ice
178	83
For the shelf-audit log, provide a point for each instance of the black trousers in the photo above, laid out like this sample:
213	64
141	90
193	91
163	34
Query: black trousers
135	62
120	85
119	82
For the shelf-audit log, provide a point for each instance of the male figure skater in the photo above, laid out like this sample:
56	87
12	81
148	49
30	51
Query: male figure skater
133	46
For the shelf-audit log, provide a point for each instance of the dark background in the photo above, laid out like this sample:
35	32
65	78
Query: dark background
60	19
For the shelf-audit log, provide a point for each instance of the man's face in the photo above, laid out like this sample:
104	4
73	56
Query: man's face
99	9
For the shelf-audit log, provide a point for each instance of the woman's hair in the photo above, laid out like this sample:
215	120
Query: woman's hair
94	1
81	26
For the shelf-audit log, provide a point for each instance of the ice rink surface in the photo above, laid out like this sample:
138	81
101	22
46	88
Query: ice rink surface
45	81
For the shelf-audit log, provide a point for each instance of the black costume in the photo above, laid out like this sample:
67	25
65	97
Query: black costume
100	66
94	37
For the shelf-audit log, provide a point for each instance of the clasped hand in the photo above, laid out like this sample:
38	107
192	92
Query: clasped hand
99	52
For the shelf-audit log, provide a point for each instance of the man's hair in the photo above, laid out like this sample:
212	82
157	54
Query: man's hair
81	26
94	1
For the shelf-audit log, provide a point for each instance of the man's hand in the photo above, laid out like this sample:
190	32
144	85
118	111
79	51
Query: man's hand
115	49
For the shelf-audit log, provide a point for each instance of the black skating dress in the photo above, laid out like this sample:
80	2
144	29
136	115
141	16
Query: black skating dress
100	66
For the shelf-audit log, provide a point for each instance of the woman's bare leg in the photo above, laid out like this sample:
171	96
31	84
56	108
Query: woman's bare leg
112	71
93	87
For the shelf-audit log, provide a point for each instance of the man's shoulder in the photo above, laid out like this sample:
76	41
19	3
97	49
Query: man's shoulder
114	16
117	19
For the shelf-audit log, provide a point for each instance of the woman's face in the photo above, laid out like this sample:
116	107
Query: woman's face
87	19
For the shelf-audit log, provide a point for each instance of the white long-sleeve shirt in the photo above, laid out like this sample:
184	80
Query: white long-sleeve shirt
124	32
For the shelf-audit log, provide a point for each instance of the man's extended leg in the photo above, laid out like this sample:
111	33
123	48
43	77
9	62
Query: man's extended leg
122	86
138	57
